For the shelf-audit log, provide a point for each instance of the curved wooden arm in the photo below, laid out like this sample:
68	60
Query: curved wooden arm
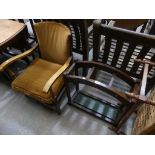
99	85
122	75
145	62
140	98
17	57
56	75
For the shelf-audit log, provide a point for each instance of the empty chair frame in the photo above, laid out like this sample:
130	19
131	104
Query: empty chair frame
114	55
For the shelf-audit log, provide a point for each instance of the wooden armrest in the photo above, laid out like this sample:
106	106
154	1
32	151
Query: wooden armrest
56	75
145	62
104	67
17	57
140	98
99	85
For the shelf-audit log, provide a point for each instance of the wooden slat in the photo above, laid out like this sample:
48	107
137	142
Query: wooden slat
117	52
77	36
152	60
144	80
140	41
141	55
106	49
153	57
111	81
128	36
96	40
128	56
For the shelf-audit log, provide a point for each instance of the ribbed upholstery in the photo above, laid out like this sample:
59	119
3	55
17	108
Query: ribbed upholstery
33	79
53	39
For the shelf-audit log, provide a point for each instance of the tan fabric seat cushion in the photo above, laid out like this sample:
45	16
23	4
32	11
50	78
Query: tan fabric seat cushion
33	79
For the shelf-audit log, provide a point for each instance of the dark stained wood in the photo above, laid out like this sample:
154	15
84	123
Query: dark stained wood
117	52
128	55
77	38
107	49
130	24
130	101
70	77
141	55
96	39
128	45
127	35
127	114
97	84
145	62
116	57
141	99
107	68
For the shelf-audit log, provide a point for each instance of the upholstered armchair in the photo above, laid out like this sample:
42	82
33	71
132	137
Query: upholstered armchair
43	79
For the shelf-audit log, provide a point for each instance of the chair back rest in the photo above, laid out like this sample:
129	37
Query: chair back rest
79	32
119	47
81	36
54	41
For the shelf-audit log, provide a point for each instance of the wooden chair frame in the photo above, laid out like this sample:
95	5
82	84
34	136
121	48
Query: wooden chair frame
130	101
89	80
127	62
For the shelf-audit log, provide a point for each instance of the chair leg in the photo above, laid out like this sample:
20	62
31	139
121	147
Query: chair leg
68	91
85	58
9	74
57	108
126	116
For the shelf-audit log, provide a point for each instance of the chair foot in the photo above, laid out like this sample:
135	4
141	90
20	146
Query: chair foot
116	130
9	74
58	110
69	103
112	128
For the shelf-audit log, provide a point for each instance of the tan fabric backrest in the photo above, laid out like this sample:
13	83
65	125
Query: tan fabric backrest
54	41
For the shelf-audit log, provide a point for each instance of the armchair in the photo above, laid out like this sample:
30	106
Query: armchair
43	79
